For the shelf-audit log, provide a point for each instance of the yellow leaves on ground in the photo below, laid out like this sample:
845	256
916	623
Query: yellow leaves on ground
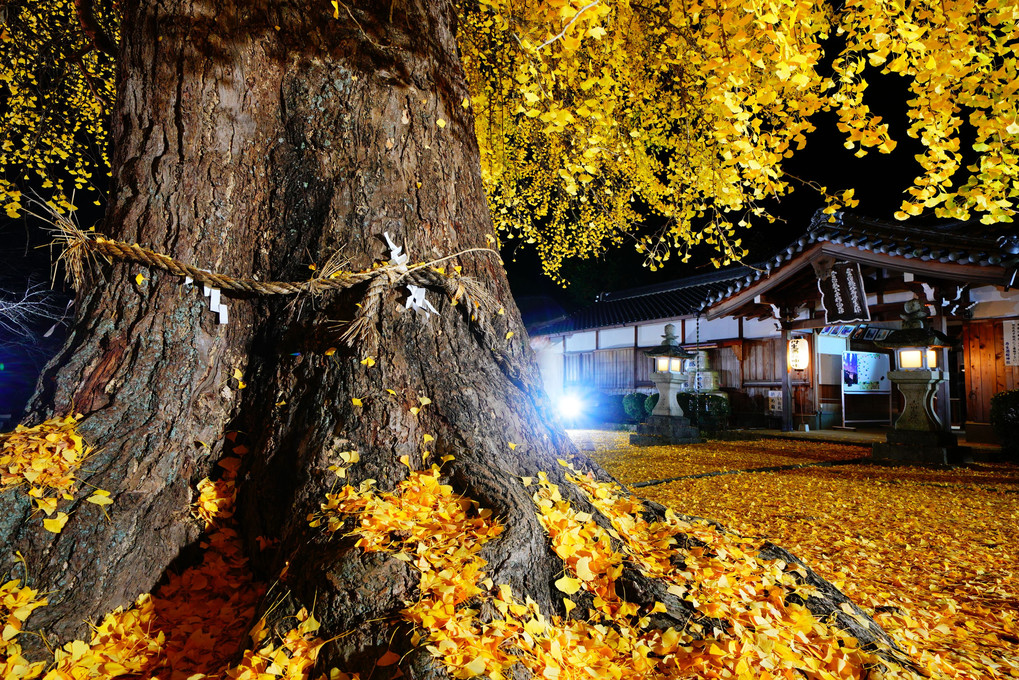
423	523
46	458
930	554
190	628
16	604
719	574
638	464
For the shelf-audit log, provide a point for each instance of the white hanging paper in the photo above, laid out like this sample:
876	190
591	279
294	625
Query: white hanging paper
396	254
223	316
417	300
417	296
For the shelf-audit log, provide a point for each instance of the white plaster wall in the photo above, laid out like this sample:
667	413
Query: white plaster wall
754	328
580	342
615	337
829	344
724	328
650	334
891	298
549	355
901	296
993	302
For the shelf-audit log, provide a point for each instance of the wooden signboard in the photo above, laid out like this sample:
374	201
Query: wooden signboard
1010	346
842	295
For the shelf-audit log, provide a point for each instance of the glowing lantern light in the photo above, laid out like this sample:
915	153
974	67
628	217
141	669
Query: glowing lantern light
799	354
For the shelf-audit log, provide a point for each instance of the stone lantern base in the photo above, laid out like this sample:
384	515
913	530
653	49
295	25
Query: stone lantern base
665	430
919	437
916	448
666	424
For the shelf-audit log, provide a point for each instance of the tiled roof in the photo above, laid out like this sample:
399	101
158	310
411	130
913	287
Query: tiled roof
683	297
958	242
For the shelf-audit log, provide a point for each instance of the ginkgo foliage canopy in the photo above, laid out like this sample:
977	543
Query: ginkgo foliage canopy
593	115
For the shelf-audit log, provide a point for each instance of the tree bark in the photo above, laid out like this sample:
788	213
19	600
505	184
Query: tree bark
258	138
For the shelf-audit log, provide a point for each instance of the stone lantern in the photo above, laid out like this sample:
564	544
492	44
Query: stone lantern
919	435
667	424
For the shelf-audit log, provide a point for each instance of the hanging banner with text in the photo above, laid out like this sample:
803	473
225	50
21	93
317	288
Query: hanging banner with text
1011	344
842	295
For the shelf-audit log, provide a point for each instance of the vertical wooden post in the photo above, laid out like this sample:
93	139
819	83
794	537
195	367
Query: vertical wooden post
636	358
944	409
787	388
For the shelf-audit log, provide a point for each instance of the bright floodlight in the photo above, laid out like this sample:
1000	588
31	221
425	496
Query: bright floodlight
570	406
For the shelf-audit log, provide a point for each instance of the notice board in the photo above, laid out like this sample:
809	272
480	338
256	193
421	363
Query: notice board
865	372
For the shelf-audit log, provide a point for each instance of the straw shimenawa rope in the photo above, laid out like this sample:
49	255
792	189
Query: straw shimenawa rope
360	331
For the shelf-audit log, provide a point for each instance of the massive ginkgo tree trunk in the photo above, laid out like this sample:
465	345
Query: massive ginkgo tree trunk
256	139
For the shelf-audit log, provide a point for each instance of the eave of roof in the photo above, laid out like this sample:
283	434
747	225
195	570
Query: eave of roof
962	244
671	300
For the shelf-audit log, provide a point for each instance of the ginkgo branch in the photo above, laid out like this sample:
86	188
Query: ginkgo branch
90	27
568	25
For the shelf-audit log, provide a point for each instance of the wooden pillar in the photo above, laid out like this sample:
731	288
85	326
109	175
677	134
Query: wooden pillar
944	409
739	354
787	387
636	358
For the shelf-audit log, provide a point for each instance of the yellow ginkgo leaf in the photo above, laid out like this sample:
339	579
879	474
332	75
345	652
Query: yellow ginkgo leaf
425	401
100	497
388	659
140	279
368	361
583	569
47	505
356	402
476	667
428	438
331	351
509	335
568	585
441	123
55	524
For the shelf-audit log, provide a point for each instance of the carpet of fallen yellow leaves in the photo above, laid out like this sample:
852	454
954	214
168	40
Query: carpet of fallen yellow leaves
440	534
45	459
930	554
191	627
933	555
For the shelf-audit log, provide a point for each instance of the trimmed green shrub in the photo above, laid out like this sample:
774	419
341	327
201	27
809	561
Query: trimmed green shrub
612	408
633	404
1005	420
650	403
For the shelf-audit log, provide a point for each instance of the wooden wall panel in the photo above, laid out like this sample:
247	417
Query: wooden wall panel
613	369
762	369
986	372
725	362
